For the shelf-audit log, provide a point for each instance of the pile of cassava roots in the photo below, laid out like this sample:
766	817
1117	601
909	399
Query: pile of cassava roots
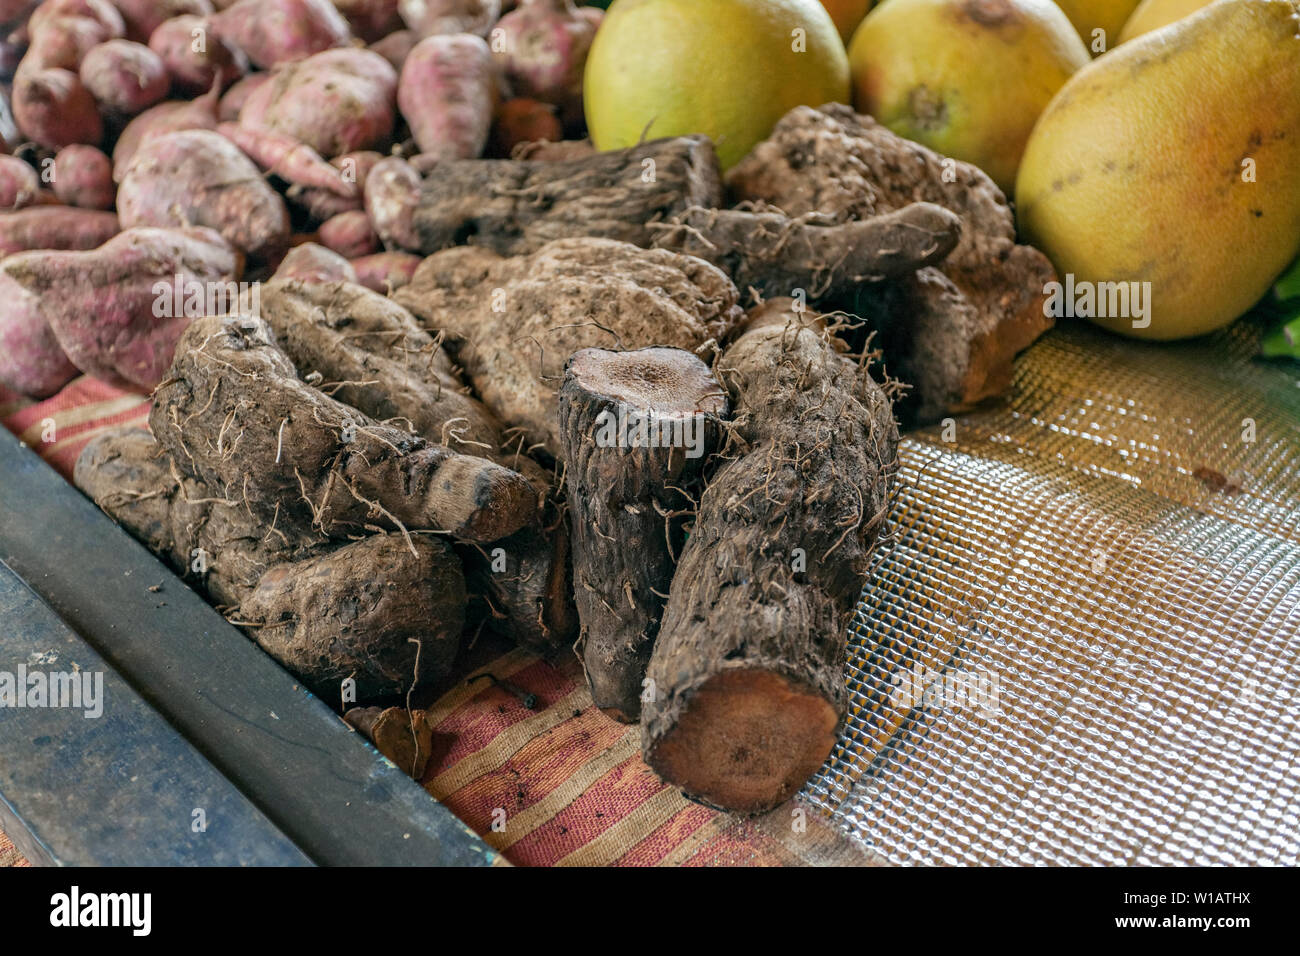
422	362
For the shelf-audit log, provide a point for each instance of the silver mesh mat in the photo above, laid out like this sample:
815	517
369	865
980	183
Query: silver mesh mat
1079	644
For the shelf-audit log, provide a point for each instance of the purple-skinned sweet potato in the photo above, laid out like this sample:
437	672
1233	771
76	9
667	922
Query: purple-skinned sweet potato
83	177
349	234
32	362
124	77
370	20
392	192
196	55
312	262
289	159
63	42
54	110
385	271
169	117
143	16
232	101
336	102
543	48
55	227
102	11
396	47
273	32
199	178
104	305
437	17
447	93
19	184
321	204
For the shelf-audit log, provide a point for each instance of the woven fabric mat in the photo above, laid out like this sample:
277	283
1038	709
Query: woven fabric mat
1078	644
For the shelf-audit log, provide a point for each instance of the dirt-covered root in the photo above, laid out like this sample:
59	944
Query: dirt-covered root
213	543
955	326
514	322
527	582
637	428
371	354
516	206
386	611
234	415
746	684
774	255
403	736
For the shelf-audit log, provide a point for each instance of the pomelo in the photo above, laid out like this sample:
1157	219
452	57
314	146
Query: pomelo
726	68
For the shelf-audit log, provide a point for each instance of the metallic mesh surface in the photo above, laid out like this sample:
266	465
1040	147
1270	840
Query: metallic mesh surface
1079	644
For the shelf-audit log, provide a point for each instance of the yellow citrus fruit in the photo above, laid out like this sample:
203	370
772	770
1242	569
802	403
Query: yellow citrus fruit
967	78
847	14
726	68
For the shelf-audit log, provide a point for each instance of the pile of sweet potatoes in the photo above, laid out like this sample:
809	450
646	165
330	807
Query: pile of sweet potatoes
422	362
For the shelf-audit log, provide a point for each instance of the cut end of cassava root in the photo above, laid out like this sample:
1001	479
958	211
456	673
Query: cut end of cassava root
749	740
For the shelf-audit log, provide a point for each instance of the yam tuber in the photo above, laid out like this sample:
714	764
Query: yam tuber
514	322
403	736
950	330
746	692
637	427
234	415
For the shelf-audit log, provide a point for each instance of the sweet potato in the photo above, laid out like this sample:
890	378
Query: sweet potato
124	77
234	415
55	227
200	178
392	193
289	159
232	101
144	16
19	185
101	11
31	360
272	32
62	43
396	47
313	263
53	109
543	50
169	117
336	102
196	55
104	304
385	272
349	234
370	20
83	177
446	94
322	204
431	17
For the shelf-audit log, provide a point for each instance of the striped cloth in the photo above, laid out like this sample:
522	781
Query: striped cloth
560	785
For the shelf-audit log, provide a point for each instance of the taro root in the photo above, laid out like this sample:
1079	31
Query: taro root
746	693
637	428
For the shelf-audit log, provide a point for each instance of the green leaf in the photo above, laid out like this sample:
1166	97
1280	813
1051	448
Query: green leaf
1283	341
1288	287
